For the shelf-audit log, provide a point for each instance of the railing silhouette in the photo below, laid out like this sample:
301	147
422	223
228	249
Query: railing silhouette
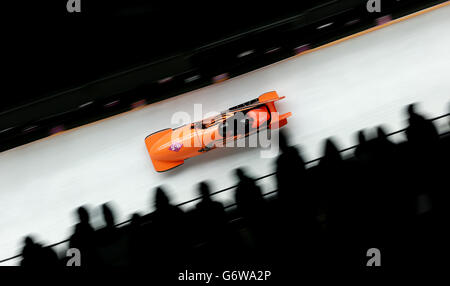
233	187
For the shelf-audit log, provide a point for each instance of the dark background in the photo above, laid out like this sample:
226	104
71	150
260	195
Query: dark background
50	50
62	70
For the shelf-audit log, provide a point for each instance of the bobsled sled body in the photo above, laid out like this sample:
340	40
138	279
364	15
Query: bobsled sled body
169	148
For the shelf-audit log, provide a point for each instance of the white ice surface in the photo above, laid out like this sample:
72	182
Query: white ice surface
359	83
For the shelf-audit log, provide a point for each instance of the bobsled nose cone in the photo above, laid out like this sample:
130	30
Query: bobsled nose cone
163	152
158	152
156	141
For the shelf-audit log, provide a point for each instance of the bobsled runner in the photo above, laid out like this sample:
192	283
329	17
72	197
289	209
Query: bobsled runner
168	148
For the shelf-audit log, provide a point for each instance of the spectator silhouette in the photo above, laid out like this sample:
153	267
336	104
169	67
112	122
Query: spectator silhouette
421	133
422	179
330	167
36	256
31	255
135	221
339	204
423	157
211	227
385	149
138	242
108	216
376	194
109	232
168	223
211	213
164	209
251	205
364	149
386	161
441	197
394	202
248	195
290	171
362	170
84	238
332	157
297	210
111	243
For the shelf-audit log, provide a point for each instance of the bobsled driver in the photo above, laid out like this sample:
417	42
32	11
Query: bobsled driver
244	124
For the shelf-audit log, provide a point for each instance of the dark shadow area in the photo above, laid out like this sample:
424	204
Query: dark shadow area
389	196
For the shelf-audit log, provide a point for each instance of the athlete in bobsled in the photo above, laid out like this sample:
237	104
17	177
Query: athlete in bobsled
170	147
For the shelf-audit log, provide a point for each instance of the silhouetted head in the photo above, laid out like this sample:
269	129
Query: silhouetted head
240	173
411	109
361	137
381	133
331	154
136	219
83	215
204	190
161	199
29	248
108	215
28	240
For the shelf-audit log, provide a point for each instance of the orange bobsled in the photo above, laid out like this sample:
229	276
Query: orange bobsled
169	148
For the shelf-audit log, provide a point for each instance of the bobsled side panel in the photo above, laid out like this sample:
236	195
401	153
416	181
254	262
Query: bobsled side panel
161	166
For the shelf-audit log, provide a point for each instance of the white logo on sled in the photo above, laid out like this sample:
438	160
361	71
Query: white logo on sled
265	138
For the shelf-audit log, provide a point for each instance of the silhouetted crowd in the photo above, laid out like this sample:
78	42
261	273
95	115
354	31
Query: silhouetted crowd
389	196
